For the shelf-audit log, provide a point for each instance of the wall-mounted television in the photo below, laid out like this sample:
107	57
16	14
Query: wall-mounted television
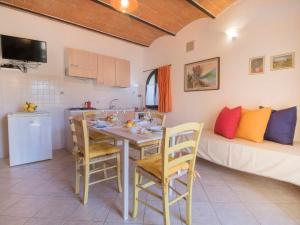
23	49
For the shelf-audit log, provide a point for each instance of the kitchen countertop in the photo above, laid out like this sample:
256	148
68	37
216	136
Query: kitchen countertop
104	109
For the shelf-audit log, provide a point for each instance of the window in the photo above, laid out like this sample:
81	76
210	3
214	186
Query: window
152	91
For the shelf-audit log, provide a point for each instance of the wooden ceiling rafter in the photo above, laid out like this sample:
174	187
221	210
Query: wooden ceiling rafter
136	18
202	8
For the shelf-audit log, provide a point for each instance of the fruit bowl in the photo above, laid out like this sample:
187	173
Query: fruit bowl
29	107
129	124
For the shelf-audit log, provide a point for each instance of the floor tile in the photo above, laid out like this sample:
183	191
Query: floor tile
292	209
82	223
282	196
198	193
8	220
58	208
94	210
152	217
234	214
109	223
221	194
39	221
7	200
115	214
211	180
202	213
270	214
25	207
252	195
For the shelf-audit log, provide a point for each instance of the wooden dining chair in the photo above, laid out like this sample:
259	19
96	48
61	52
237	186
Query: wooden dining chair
148	147
175	162
96	136
89	155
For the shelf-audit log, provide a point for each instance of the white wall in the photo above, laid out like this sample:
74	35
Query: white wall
47	86
265	28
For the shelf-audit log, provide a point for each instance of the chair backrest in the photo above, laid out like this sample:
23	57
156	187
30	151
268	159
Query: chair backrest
93	114
159	116
73	133
81	136
175	154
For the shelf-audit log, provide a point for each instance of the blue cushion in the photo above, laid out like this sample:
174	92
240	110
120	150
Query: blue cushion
281	126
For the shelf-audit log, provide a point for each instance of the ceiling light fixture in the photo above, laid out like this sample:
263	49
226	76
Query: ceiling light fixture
124	6
232	33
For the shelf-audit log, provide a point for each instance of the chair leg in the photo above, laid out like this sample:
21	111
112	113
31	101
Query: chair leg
142	153
166	205
142	156
135	194
77	176
104	171
86	182
189	199
119	172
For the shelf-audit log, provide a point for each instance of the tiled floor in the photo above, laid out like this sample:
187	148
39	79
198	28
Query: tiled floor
42	194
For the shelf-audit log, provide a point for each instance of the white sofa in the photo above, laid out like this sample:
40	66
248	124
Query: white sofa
267	159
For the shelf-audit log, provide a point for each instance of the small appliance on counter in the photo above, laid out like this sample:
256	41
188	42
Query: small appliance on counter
88	104
29	137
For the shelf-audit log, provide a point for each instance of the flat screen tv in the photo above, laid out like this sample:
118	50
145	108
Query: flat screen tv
23	49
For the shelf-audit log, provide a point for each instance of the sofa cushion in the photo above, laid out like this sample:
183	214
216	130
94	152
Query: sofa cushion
227	122
253	124
281	126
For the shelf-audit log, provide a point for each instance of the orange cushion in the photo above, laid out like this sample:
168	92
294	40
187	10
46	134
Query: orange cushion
253	124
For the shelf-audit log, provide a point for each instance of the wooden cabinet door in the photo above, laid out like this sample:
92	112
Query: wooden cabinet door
82	63
100	77
90	65
122	73
109	70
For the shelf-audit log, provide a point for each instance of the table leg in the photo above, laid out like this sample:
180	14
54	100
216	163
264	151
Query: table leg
125	160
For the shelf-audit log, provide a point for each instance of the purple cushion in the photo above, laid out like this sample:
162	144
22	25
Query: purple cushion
281	126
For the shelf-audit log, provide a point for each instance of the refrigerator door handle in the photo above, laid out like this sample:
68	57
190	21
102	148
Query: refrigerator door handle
34	124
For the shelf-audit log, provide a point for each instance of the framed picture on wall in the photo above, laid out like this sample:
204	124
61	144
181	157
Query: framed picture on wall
257	65
283	61
202	75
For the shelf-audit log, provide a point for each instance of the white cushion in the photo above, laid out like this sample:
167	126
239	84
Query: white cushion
269	159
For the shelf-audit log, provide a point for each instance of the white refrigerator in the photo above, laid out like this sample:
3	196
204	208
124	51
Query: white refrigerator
29	137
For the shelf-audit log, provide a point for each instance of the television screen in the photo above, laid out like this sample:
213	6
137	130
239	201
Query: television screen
23	49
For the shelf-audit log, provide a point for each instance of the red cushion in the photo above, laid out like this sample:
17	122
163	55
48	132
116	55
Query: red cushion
228	121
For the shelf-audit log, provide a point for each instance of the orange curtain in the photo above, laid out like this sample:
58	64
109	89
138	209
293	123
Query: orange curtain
164	87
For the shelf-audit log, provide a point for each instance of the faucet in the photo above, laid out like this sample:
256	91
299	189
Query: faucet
111	104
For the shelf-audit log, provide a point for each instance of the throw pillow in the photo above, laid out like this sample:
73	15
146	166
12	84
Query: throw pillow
282	125
253	124
227	122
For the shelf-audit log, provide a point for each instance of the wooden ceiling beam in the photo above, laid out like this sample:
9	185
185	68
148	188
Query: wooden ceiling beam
201	8
136	18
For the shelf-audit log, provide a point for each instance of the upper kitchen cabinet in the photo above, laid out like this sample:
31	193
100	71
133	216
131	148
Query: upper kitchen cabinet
113	71
81	63
108	70
122	73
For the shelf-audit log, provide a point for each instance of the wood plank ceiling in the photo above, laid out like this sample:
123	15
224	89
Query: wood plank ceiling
151	20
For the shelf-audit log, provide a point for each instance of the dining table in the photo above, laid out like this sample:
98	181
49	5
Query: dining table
127	136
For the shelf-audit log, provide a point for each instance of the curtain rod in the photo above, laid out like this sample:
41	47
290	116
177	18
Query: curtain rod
156	68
